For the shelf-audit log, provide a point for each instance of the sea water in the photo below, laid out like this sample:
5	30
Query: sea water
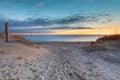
62	38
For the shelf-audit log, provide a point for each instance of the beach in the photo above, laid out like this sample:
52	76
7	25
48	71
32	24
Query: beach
59	60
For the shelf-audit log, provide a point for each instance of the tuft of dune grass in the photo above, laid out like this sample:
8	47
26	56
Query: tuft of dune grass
104	43
95	47
18	38
23	40
109	38
2	35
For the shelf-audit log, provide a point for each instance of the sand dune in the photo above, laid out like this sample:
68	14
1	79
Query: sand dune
59	61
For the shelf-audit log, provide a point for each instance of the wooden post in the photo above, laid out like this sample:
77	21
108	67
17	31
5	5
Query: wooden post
6	31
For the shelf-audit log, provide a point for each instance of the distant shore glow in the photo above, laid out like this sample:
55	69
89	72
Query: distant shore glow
88	32
75	32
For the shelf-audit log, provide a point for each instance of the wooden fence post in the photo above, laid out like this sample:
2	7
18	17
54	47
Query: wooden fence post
6	31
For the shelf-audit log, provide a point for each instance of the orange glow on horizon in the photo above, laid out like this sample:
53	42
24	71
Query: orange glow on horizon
102	31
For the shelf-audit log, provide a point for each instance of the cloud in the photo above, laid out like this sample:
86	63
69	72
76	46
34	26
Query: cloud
86	0
70	19
79	18
8	6
36	5
76	21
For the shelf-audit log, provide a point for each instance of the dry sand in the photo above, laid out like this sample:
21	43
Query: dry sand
59	61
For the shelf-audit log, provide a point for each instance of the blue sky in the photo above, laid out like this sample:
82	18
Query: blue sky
60	13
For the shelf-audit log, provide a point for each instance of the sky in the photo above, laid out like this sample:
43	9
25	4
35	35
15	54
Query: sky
59	14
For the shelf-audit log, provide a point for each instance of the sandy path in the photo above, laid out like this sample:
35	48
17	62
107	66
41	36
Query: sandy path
52	65
56	62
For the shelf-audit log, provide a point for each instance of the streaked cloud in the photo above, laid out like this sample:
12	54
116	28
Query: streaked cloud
76	21
86	0
36	5
8	6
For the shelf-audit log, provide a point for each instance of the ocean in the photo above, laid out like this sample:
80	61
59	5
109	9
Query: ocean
62	38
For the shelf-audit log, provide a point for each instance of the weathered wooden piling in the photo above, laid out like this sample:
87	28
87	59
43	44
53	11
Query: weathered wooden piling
6	31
